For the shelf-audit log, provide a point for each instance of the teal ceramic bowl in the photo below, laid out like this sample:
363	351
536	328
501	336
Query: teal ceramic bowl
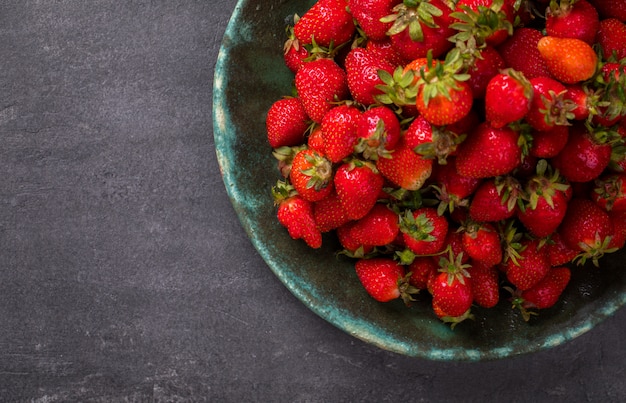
249	77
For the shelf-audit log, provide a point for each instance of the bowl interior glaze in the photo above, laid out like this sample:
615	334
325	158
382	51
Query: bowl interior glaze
249	77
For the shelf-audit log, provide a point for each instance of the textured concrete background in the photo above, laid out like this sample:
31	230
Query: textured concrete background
124	272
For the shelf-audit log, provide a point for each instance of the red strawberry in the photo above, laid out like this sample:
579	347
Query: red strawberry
547	201
384	279
358	185
451	188
610	9
339	127
507	98
424	231
583	158
431	141
481	242
529	267
368	14
496	199
419	27
422	269
378	227
485	284
488	151
549	106
286	123
487	21
611	37
569	60
609	192
520	53
294	53
405	168
618	218
327	23
587	228
315	141
320	83
547	144
311	175
572	19
362	74
444	96
329	214
544	294
296	214
559	253
378	132
352	247
584	101
451	290
383	49
483	68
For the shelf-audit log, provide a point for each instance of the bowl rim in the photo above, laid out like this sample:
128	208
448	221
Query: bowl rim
354	326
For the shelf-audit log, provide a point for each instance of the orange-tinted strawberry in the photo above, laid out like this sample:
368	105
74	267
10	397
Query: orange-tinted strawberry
320	83
488	151
572	19
286	123
327	22
384	279
569	60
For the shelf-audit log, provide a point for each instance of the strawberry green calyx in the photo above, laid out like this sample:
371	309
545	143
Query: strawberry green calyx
518	302
511	191
438	79
545	184
557	109
282	191
480	24
419	228
560	7
594	251
455	320
444	143
285	155
412	14
320	172
374	146
398	88
454	267
512	246
406	289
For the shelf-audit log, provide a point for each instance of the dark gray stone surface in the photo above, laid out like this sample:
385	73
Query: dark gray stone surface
124	272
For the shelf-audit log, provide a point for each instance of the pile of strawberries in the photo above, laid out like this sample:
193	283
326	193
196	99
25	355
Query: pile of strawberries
473	150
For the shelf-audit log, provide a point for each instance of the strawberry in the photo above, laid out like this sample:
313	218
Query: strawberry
548	144
452	189
357	184
481	242
486	21
329	213
296	214
547	201
549	106
384	279
424	231
611	37
584	101
405	168
587	228
569	60
362	74
444	96
327	23
507	98
286	123
559	253
609	192
420	26
529	266
610	9
431	141
585	156
294	54
422	269
339	126
315	141
572	19
618	218
520	53
496	199
451	290
352	247
378	227
486	64
545	294
488	151
485	284
383	49
311	175
368	14
378	131
320	83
